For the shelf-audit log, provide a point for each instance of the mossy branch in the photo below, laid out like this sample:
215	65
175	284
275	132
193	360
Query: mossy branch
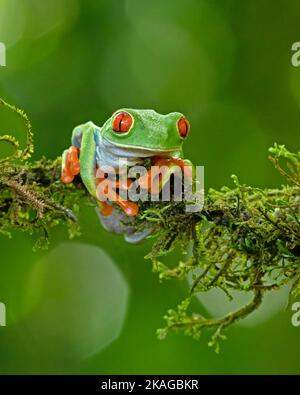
245	238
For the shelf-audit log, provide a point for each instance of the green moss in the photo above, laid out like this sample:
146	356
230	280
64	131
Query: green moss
245	239
32	198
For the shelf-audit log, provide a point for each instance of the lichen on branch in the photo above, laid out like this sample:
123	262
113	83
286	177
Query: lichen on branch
245	238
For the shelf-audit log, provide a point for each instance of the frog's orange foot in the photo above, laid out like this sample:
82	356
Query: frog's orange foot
108	192
106	209
71	165
185	165
145	181
130	208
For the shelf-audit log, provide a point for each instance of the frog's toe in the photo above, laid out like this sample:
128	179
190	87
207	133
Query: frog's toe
66	178
70	165
73	160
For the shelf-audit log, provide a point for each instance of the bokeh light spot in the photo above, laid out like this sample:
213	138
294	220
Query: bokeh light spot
76	301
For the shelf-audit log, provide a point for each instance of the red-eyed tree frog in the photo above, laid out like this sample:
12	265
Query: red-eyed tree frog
134	135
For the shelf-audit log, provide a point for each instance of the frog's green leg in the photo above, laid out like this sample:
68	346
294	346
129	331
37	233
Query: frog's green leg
83	140
86	134
83	136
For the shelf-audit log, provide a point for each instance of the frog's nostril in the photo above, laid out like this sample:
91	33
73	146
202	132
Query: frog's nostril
183	127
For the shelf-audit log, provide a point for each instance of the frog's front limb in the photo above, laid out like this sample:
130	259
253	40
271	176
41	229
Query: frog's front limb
83	141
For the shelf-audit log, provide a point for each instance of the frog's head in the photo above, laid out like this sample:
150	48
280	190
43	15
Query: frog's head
146	130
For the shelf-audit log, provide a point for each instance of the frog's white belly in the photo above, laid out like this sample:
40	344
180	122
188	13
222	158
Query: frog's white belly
109	154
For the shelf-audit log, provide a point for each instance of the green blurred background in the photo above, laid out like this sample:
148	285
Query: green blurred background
93	305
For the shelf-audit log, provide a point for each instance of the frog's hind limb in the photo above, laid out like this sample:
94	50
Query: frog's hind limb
120	223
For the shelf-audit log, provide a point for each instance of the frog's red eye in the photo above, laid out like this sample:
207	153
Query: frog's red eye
122	122
183	126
